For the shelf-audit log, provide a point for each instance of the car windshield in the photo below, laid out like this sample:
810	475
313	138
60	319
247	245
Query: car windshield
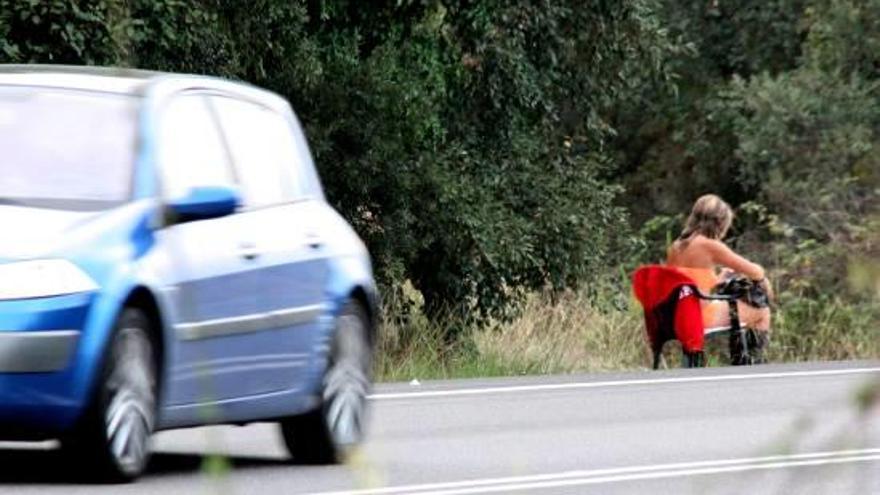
66	149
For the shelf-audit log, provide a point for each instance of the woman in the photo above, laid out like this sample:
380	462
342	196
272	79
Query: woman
699	252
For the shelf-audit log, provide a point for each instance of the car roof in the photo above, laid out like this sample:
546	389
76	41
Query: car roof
122	80
104	79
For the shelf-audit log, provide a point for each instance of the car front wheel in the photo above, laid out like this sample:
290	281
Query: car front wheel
326	434
113	439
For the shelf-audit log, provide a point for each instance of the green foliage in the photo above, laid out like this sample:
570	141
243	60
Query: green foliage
807	143
466	141
742	37
671	149
825	328
806	150
58	31
844	37
163	34
778	112
487	149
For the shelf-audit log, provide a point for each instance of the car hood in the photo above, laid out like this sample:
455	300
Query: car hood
35	232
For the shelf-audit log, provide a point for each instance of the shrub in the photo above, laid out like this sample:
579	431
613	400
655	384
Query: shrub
464	140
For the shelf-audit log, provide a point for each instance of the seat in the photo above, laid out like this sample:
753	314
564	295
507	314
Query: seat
671	303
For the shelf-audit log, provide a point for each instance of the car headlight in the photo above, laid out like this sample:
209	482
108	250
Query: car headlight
42	278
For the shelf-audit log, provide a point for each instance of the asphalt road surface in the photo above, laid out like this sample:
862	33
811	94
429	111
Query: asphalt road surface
757	430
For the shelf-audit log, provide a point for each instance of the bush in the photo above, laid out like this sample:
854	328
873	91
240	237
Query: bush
488	150
844	38
464	140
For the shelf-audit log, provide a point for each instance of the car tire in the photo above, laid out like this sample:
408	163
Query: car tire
112	441
328	433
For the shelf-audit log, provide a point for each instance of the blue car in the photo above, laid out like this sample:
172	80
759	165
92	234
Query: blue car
169	260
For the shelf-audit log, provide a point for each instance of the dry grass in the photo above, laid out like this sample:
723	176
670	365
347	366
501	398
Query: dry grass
563	336
572	334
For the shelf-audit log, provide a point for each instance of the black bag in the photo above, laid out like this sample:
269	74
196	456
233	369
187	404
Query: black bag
746	290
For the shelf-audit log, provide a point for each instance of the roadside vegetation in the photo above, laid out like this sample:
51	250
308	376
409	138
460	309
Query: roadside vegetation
509	163
776	108
574	333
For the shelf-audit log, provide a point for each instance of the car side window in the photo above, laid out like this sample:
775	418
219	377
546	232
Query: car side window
264	151
191	151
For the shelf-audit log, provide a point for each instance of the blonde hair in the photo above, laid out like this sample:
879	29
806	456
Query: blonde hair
711	217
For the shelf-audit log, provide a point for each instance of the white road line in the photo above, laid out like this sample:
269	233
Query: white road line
618	383
650	476
635	473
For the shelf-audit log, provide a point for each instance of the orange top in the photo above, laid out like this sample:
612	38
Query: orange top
706	280
698	257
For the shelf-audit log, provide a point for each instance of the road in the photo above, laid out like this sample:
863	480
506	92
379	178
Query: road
757	430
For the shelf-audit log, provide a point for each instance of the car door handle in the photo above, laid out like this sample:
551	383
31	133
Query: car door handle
248	251
314	241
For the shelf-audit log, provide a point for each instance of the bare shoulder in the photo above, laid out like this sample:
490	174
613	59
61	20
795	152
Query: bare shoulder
700	243
710	251
692	252
712	245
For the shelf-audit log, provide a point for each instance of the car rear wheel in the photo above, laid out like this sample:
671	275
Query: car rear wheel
112	442
326	434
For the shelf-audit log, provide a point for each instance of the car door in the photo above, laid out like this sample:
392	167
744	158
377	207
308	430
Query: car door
215	272
288	246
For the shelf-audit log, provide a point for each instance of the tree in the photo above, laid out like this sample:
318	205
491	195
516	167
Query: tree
467	141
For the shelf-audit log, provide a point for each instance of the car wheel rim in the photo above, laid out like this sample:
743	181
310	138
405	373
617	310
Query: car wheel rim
347	383
131	393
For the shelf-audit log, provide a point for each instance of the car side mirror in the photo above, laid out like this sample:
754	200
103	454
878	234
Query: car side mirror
202	203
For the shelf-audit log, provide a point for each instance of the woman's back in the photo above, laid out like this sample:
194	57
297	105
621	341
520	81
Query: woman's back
693	253
700	252
694	258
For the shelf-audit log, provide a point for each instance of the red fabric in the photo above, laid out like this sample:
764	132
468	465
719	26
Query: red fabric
653	285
